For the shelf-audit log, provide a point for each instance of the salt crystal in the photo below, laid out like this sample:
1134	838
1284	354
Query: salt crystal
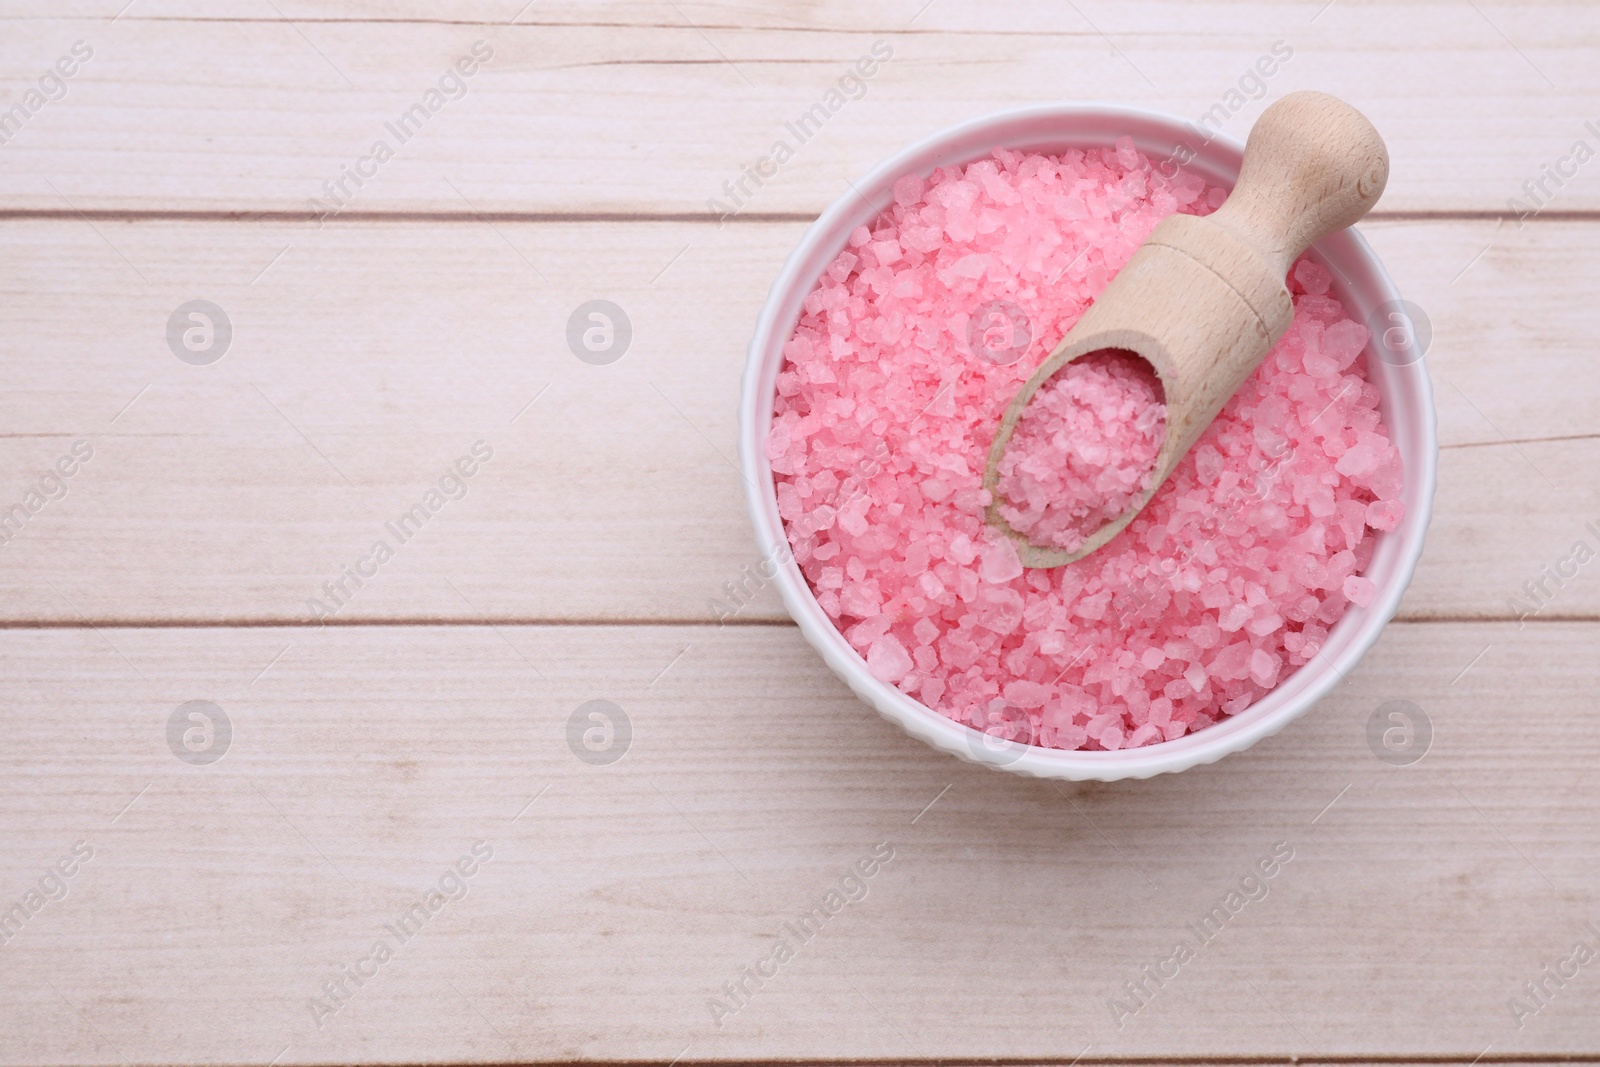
1233	662
1312	277
1360	590
1342	342
888	659
1263	667
1144	735
1384	514
1027	694
1000	561
1233	617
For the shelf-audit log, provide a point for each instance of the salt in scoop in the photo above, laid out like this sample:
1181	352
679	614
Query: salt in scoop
1203	300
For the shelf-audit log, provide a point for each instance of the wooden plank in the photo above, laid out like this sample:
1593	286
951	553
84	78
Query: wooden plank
364	761
366	359
639	107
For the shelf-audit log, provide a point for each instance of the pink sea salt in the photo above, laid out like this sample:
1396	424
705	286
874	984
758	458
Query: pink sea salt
1084	449
1229	579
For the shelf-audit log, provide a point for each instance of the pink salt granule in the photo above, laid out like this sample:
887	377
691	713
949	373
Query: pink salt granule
1228	580
1084	449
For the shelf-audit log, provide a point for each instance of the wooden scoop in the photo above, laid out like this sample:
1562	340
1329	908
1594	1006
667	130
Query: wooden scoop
1203	300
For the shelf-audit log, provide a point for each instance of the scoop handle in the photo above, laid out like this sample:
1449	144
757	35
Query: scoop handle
1312	165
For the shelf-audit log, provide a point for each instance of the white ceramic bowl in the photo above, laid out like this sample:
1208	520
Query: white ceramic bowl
1359	280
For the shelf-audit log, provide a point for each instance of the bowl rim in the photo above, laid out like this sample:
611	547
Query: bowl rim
1356	631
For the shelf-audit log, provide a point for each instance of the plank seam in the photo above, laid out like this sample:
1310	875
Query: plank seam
599	215
1098	1061
422	622
555	25
1522	441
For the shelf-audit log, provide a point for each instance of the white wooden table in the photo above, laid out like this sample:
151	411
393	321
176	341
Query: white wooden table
213	908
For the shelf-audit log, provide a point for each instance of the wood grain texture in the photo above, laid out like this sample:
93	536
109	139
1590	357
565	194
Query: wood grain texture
649	107
366	358
364	761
